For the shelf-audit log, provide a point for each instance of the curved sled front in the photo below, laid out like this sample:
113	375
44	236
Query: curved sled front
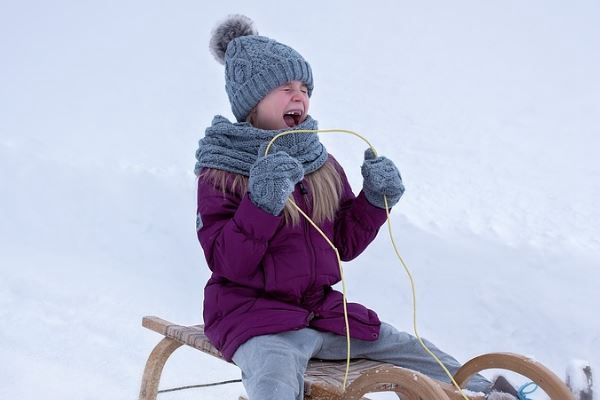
410	384
542	376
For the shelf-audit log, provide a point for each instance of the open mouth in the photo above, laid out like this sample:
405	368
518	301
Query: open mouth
292	118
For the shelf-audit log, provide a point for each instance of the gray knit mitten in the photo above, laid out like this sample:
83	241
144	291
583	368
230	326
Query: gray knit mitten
272	180
381	177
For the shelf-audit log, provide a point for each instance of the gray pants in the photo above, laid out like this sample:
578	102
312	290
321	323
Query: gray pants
273	366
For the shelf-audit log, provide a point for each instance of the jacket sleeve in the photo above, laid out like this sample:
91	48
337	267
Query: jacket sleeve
357	221
234	234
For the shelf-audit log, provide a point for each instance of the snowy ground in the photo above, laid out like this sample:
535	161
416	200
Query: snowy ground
489	110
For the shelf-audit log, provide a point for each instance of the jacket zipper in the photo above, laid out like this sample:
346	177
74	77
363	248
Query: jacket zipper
305	199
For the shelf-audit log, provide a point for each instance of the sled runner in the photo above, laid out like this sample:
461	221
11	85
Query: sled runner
323	379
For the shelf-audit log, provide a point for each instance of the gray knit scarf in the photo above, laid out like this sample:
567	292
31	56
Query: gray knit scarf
234	147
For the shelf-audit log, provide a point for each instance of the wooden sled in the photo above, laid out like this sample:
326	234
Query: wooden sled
323	379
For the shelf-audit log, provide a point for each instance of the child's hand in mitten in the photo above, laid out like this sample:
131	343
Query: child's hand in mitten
272	180
381	177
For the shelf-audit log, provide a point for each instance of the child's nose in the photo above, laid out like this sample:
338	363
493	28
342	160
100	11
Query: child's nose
297	95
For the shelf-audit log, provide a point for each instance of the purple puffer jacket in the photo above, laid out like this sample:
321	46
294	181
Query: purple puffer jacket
268	277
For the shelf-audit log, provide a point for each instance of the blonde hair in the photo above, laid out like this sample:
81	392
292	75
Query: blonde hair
325	184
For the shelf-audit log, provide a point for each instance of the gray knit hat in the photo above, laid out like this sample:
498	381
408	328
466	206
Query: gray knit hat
254	65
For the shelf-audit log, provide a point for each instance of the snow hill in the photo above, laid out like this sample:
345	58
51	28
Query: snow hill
489	109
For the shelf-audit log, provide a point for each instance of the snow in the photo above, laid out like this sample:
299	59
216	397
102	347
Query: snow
489	109
577	378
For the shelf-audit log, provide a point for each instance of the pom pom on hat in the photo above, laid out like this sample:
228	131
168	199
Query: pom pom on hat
232	27
254	65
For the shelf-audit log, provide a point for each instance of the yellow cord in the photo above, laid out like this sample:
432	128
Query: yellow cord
414	301
389	224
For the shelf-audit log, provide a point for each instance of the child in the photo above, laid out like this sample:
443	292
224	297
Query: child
269	305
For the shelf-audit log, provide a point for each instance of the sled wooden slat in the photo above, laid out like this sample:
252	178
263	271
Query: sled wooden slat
192	336
323	379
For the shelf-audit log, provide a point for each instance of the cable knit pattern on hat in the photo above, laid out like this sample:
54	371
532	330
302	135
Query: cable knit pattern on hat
272	180
381	177
254	65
